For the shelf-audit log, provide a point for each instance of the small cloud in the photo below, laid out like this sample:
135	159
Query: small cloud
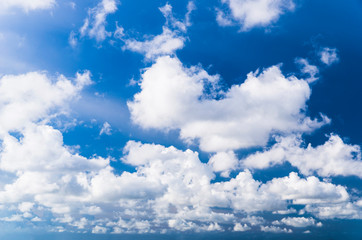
241	228
36	219
73	5
27	5
98	229
72	40
273	229
13	218
307	69
252	13
168	42
106	129
329	56
95	25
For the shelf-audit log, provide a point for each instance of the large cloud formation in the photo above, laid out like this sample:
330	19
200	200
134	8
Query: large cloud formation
170	189
176	97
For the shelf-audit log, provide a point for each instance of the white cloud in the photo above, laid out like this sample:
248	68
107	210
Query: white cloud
241	228
26	5
274	229
164	44
253	13
106	129
344	210
333	158
214	227
169	41
308	69
329	56
304	191
36	219
99	229
299	222
284	212
177	185
178	171
95	25
72	39
26	206
168	187
30	97
176	97
13	218
223	162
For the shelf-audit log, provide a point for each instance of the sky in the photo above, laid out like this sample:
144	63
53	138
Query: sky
187	119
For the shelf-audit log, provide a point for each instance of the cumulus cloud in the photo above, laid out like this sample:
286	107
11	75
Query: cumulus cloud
303	191
284	212
299	222
252	13
223	162
171	39
274	229
26	5
169	187
328	56
95	24
333	158
166	43
344	210
241	228
33	96
177	171
176	97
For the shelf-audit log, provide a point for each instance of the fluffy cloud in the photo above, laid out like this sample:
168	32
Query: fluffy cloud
27	5
241	228
33	96
333	158
176	97
344	210
95	25
178	170
303	191
253	13
169	188
166	43
299	222
328	56
223	162
274	229
171	39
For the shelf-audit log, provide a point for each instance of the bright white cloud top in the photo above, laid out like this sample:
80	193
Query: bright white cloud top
253	13
176	97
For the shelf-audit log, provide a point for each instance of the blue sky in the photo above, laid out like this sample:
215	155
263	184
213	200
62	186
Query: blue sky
180	119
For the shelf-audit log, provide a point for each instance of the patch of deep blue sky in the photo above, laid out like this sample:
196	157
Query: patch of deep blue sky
41	43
